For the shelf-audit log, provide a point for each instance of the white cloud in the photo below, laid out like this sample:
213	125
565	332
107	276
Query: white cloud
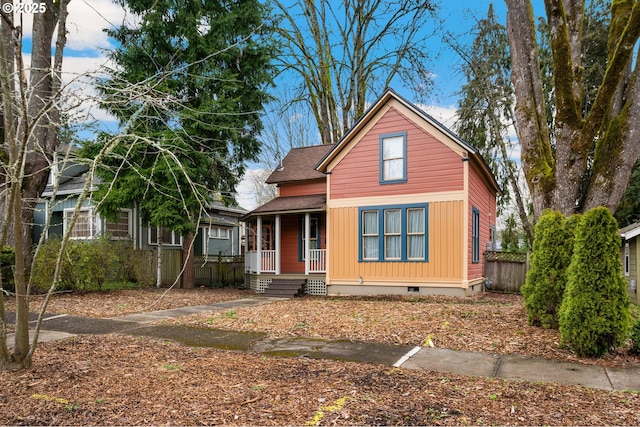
86	21
445	115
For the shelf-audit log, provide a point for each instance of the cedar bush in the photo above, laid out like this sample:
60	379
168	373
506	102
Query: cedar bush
545	283
595	315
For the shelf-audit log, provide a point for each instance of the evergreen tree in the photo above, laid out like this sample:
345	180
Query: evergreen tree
189	84
545	284
595	311
485	109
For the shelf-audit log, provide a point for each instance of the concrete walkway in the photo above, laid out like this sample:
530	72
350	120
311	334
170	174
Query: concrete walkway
439	360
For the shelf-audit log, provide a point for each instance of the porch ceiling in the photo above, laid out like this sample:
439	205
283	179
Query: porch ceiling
291	204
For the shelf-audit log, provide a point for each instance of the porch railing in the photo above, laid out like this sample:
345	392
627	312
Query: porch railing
267	263
317	260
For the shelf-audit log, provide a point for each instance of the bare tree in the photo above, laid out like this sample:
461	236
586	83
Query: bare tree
339	52
30	124
588	158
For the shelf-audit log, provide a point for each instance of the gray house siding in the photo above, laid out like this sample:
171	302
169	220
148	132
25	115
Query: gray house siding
630	259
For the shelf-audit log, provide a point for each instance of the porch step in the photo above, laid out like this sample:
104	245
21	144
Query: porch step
284	288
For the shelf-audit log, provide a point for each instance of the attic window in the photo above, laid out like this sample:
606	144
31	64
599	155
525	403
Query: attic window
393	158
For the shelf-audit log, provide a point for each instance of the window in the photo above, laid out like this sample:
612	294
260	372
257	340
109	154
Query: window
169	238
219	233
86	225
313	237
475	235
393	233
369	235
415	234
626	259
393	150
121	227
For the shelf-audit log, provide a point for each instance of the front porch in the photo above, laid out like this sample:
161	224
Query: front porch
288	244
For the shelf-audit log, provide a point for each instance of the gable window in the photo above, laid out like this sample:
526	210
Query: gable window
121	227
475	235
86	225
393	157
393	233
169	238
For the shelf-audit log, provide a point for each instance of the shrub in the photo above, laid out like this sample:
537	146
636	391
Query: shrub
546	278
635	338
86	265
595	314
7	261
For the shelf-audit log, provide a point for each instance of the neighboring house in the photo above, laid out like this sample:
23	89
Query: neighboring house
218	231
630	257
399	205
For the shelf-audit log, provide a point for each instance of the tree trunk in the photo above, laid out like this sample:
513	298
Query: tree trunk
159	258
595	150
188	274
29	130
537	159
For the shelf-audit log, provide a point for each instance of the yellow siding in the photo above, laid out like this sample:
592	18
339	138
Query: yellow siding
445	263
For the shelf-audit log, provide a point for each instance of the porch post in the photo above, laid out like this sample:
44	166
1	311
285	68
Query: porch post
278	245
307	232
247	230
259	244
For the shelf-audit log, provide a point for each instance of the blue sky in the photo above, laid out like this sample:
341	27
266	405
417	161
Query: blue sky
87	41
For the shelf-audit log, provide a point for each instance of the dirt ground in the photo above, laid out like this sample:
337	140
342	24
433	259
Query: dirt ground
121	380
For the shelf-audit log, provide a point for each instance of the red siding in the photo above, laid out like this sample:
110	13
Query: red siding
483	199
304	188
290	240
431	165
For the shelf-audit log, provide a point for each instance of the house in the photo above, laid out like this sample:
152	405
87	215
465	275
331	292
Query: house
400	205
630	258
218	230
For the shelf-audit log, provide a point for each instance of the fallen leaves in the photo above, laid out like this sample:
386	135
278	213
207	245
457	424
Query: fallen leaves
118	380
490	323
218	387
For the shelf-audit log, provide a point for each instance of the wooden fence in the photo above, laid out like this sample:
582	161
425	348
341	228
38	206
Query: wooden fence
506	271
219	271
209	271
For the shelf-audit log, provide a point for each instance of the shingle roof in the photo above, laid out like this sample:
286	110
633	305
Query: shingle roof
312	202
299	164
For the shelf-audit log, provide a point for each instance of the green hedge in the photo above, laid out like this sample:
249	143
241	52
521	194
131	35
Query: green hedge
86	265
